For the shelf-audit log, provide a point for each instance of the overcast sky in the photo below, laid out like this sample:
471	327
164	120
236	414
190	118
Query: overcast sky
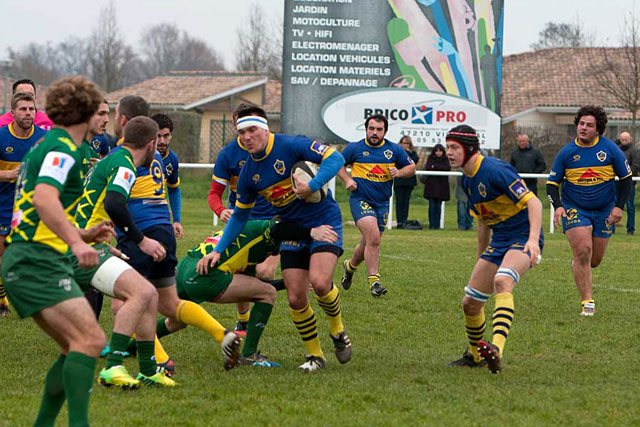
216	21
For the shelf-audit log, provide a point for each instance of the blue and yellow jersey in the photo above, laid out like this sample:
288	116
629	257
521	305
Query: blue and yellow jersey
587	174
498	197
148	199
226	172
170	164
270	177
370	168
12	150
100	144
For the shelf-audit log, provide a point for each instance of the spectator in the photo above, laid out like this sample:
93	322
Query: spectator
633	157
436	188
27	86
465	220
527	159
404	186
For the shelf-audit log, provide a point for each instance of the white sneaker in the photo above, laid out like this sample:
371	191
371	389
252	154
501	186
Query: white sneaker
313	363
588	309
231	349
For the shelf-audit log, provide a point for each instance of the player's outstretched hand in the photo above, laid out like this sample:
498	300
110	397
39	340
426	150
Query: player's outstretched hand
98	233
177	230
557	216
209	260
534	252
302	189
324	233
394	172
615	216
153	248
351	185
87	256
226	215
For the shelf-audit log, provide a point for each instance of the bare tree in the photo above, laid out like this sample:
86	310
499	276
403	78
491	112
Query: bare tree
166	48
112	59
562	35
259	44
34	61
617	70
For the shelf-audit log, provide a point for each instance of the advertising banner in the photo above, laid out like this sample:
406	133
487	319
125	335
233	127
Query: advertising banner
427	65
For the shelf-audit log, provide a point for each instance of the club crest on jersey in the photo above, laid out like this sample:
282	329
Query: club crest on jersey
601	155
319	147
256	178
388	154
279	167
241	163
96	144
365	153
576	158
8	150
169	169
518	188
482	190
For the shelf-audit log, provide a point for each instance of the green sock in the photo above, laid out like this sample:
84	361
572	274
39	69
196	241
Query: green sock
161	328
53	395
146	358
257	321
118	346
77	377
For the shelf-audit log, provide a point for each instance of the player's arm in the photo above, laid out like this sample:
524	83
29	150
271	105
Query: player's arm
405	172
215	200
46	201
406	166
9	175
625	186
484	237
329	167
115	205
534	208
553	188
175	201
349	183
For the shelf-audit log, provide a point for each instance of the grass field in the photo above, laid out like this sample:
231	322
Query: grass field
560	369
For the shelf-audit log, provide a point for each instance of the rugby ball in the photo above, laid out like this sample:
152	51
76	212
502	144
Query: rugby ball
305	171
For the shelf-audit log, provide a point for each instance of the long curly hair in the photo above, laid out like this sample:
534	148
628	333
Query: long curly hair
597	112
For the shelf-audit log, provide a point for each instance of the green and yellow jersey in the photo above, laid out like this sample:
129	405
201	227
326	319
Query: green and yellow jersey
113	173
56	161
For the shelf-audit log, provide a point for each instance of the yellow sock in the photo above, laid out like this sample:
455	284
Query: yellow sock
244	316
475	327
3	295
350	267
158	350
192	314
373	278
330	303
305	322
502	318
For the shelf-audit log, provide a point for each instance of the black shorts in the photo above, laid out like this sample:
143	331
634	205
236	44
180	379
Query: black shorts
143	263
300	259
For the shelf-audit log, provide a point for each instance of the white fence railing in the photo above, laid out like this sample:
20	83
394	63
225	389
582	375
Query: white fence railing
332	186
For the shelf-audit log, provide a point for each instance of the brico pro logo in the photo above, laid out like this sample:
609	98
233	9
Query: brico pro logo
419	114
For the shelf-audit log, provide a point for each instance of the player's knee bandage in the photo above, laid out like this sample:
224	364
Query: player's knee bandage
105	278
509	272
476	294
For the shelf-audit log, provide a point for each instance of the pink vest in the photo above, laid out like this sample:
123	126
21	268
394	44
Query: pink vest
41	120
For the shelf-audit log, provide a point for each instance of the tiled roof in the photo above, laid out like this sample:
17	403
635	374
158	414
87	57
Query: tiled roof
186	88
274	97
553	77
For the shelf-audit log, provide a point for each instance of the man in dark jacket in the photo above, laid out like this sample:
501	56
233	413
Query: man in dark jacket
633	157
527	159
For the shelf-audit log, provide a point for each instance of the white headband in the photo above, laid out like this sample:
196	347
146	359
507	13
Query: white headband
248	121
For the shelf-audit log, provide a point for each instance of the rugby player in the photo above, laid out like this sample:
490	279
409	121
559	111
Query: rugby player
37	267
40	119
267	172
375	162
504	205
590	205
16	140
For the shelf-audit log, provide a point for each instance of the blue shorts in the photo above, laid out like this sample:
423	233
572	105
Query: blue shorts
334	220
361	208
5	229
576	217
143	263
498	248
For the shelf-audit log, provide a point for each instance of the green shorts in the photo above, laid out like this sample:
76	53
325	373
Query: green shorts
194	287
37	277
83	276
